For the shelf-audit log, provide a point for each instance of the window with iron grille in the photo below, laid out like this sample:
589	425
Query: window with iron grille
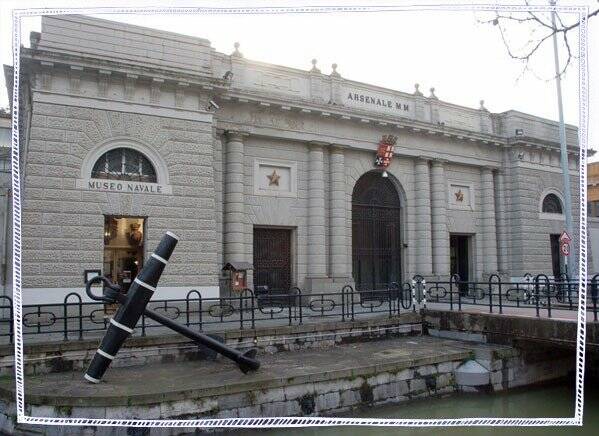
552	204
124	164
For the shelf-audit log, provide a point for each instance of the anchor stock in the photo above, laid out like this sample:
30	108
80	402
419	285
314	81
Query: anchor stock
133	305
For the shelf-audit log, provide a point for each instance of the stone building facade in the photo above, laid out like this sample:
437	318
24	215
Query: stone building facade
5	203
269	165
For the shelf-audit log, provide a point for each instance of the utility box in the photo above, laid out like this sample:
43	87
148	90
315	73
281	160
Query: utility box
236	275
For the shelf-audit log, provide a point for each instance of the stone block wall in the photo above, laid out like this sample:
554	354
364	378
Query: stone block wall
283	212
529	230
125	42
63	225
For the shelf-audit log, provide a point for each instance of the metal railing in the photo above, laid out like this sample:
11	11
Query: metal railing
76	319
540	295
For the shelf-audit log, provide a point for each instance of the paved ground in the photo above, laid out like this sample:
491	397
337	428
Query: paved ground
527	311
170	381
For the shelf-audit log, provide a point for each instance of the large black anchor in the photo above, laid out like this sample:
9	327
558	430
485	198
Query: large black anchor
133	305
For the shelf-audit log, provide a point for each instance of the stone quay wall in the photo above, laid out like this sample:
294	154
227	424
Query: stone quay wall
323	394
318	394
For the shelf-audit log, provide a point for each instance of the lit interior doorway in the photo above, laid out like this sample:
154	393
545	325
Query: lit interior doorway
459	253
123	249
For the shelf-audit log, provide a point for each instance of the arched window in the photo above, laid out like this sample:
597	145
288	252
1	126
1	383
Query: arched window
124	164
552	204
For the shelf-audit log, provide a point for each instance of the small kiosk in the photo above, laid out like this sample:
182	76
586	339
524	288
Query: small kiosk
235	274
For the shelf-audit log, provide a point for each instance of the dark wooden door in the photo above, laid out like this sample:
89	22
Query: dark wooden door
272	259
555	255
376	235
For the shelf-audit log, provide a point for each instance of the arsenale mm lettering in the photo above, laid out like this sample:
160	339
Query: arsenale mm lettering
267	170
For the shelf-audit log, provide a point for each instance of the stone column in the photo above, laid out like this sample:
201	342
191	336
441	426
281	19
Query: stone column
500	209
339	260
489	235
316	213
234	202
440	235
422	204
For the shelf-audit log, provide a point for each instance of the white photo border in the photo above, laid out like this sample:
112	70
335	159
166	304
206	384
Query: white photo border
257	422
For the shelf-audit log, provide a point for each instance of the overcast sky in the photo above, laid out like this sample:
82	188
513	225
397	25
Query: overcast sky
465	61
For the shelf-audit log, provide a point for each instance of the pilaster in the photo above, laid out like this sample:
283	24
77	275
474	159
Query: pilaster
440	235
234	201
489	235
422	205
316	213
339	259
501	220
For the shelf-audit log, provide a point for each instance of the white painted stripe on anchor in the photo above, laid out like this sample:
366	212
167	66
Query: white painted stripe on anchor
161	259
105	354
121	326
145	285
91	379
172	235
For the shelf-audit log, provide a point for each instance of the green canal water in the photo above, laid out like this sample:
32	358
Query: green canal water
547	401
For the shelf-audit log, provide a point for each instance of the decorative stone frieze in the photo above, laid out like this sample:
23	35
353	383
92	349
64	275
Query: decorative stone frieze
75	79
130	81
46	75
155	90
103	82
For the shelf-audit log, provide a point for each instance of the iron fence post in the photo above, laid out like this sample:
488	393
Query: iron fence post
500	297
594	295
569	292
11	318
537	295
352	302
451	295
490	296
241	310
253	307
343	304
200	310
66	315
299	303
492	278
289	303
413	295
458	280
389	300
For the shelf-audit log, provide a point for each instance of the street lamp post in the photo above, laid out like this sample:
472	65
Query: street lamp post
563	148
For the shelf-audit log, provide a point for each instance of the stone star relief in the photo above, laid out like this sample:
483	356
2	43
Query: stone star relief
273	179
459	196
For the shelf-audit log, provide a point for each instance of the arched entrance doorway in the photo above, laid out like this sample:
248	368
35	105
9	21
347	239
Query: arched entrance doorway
376	235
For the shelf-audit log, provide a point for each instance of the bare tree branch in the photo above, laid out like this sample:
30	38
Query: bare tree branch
540	31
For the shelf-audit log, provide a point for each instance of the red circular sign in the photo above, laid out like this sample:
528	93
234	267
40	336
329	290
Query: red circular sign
565	248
